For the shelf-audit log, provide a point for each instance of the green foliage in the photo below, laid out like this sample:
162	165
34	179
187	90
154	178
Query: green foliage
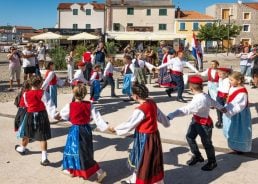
79	50
111	48
58	57
216	32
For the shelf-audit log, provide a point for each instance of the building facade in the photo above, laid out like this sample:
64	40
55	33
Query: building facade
139	16
80	16
189	22
242	14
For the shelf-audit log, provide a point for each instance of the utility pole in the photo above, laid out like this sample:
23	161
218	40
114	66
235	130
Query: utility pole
228	32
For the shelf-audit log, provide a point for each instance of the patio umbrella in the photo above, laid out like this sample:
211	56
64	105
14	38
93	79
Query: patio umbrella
164	36
83	36
47	36
136	36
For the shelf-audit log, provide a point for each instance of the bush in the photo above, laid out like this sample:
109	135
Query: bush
111	47
79	50
58	57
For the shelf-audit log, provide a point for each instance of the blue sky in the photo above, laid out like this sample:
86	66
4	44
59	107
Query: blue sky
43	13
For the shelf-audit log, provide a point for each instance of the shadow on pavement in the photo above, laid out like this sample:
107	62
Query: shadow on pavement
194	175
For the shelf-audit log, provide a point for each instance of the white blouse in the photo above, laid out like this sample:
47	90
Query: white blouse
213	73
224	85
94	75
79	76
136	119
237	104
110	69
101	124
47	80
176	64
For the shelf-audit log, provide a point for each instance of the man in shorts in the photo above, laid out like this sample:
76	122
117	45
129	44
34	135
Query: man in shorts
29	65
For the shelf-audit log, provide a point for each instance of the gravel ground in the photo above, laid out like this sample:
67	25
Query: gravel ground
5	95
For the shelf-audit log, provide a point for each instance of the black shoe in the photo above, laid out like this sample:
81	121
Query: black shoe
194	160
209	166
254	87
219	125
181	100
168	93
128	100
45	162
21	153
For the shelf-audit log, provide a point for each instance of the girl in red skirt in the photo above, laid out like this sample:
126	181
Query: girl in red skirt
146	156
78	158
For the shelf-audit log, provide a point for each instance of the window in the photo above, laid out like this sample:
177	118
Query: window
129	24
162	12
246	28
195	26
182	26
247	16
162	27
116	27
130	11
148	12
87	26
75	11
209	24
225	14
75	26
88	11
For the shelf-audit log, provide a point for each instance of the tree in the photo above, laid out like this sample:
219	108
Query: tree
217	32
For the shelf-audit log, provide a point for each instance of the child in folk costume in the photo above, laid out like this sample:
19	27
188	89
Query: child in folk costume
164	75
22	109
237	125
108	76
78	76
223	89
213	79
139	70
176	69
51	81
78	157
95	79
201	123
146	155
36	123
129	78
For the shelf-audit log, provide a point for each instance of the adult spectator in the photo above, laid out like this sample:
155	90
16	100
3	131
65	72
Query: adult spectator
255	72
14	66
162	44
41	51
128	50
87	58
100	54
245	63
28	64
70	64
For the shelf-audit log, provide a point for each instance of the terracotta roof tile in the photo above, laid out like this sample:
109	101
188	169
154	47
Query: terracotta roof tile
24	27
252	5
193	15
67	6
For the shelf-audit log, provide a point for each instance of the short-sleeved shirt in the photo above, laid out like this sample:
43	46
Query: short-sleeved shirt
28	62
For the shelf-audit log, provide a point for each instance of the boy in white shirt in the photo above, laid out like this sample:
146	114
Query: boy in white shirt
201	123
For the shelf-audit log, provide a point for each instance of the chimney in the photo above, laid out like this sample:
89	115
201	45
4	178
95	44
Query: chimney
178	12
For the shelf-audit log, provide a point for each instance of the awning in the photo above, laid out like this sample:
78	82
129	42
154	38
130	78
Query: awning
83	36
146	36
47	36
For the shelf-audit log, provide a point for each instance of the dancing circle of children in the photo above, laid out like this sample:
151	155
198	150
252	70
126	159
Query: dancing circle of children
35	125
146	157
201	123
78	156
237	124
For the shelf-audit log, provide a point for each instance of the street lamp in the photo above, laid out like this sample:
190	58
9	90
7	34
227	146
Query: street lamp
228	32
